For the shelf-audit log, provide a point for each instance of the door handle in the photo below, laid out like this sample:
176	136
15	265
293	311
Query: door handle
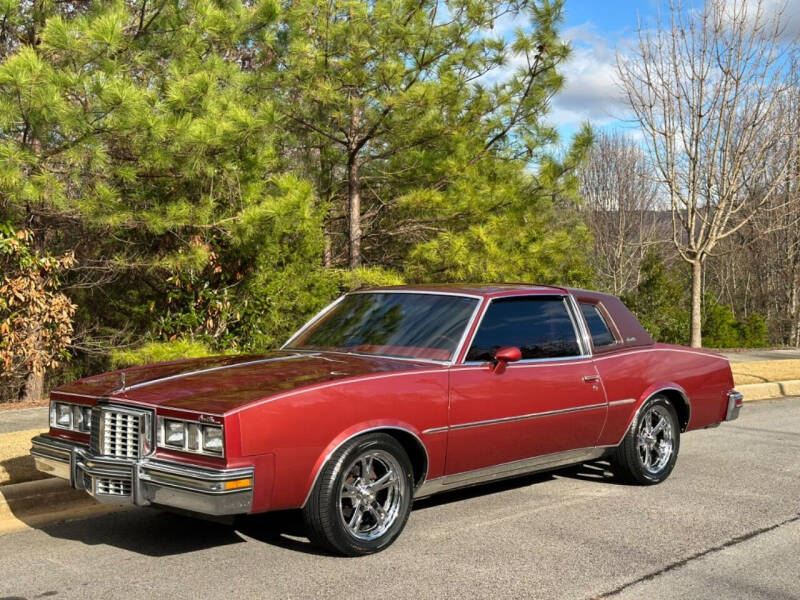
591	378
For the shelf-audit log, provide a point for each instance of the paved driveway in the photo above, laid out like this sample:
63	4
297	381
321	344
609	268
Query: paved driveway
724	525
22	419
760	355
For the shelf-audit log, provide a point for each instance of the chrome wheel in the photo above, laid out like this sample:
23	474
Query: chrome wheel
372	494
654	439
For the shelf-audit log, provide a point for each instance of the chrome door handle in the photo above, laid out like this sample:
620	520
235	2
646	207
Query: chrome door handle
591	378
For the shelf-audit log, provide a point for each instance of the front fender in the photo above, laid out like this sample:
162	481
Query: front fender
352	432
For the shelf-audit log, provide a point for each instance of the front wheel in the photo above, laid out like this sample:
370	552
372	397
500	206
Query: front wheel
362	498
649	450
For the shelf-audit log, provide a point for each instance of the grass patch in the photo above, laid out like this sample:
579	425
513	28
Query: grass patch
16	463
764	371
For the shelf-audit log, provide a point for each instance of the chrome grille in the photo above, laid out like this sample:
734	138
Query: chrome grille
94	438
112	487
120	435
117	431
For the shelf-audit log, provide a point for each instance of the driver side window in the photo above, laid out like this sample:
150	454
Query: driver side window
540	326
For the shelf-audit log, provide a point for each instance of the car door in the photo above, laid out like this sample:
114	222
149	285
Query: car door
549	402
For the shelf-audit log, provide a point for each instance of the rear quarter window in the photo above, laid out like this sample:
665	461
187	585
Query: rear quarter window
598	327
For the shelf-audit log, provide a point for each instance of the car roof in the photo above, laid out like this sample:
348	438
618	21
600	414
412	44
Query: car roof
474	289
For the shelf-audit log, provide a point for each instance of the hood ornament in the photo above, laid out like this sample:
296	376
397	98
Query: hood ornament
121	382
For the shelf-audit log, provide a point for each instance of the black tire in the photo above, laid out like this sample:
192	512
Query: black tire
642	457
348	486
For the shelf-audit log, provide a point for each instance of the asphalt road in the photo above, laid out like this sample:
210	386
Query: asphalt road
25	418
726	525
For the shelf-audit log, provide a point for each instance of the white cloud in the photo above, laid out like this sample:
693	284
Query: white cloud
789	12
591	91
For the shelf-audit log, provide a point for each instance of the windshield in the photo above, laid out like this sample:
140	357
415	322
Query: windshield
406	325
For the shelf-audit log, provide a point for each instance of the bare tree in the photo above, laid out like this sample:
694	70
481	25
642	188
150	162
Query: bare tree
759	266
703	85
620	208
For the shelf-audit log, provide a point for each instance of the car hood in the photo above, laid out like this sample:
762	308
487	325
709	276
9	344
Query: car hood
222	383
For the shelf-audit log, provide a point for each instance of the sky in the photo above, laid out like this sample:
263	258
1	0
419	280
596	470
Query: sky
595	29
591	93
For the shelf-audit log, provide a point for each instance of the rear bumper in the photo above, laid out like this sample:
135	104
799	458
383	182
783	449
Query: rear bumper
145	481
735	401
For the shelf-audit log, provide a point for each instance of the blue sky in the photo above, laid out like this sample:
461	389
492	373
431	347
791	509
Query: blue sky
596	29
612	18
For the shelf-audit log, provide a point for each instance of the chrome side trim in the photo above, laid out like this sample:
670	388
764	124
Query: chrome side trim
433	430
546	413
520	364
582	331
460	348
621	402
211	370
510	469
363	431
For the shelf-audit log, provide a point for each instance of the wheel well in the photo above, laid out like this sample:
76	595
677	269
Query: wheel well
681	405
415	450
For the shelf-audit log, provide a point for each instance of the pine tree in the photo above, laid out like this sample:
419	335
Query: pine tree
405	113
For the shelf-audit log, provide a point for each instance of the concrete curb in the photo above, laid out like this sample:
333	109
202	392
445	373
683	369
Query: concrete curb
765	391
37	503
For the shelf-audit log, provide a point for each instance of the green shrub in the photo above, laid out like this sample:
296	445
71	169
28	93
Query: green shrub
153	352
721	329
660	301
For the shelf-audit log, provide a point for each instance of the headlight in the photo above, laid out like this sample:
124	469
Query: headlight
212	439
174	433
74	417
189	436
64	416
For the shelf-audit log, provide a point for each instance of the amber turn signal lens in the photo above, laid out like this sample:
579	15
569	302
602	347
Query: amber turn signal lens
237	484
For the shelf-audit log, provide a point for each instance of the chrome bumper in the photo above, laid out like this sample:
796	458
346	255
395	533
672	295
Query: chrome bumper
735	401
145	481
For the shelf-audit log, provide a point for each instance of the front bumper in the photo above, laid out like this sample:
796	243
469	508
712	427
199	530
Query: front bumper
145	481
735	402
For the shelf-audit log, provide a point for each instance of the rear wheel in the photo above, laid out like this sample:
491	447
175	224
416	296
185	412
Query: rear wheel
362	498
649	450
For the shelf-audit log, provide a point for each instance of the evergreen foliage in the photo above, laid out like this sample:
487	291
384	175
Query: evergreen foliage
156	352
660	301
220	170
721	329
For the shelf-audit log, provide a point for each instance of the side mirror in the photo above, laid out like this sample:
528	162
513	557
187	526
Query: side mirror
503	356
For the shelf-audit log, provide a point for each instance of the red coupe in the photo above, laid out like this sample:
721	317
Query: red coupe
386	396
